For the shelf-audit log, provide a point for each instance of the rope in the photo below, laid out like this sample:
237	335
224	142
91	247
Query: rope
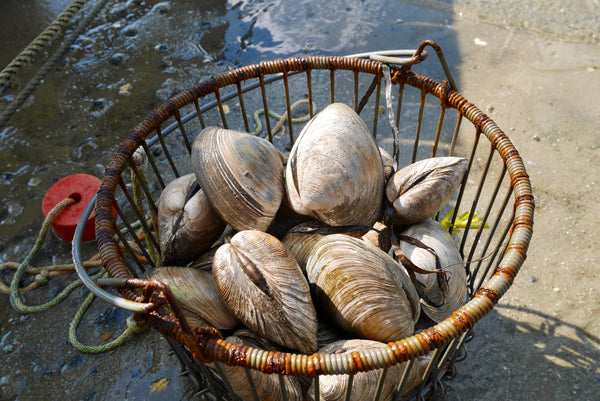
42	276
282	118
15	296
36	45
35	81
132	327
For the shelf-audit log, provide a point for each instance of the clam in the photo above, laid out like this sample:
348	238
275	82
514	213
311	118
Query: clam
187	224
269	387
362	289
261	283
285	219
443	291
419	190
364	384
300	241
195	290
334	172
379	236
387	161
241	174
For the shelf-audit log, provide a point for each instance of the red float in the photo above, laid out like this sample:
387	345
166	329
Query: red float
80	187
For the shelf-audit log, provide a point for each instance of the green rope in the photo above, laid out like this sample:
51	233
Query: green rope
282	118
43	39
15	295
42	275
132	327
39	77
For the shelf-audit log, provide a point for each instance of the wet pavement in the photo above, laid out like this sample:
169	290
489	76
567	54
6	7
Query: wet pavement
132	57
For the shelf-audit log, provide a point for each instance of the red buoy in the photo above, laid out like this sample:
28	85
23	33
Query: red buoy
81	188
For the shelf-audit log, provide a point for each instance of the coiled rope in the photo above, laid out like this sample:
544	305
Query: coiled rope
43	39
42	275
37	79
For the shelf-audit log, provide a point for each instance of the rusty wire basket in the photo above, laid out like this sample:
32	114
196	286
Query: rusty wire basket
433	119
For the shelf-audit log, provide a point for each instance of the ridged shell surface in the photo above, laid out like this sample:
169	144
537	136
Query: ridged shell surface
334	172
241	174
362	289
262	285
186	229
452	294
364	384
300	244
196	290
268	386
419	190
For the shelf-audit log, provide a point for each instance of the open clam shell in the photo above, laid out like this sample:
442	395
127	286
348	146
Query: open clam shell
446	292
362	289
379	236
268	386
419	190
187	225
196	291
262	285
364	384
241	174
334	172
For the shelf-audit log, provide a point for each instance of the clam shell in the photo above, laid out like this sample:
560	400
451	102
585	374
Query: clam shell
262	285
419	190
380	238
362	289
196	291
269	387
364	384
334	172
241	174
286	219
387	161
300	244
185	229
440	302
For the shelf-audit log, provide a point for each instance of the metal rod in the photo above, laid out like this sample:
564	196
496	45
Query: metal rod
182	129
419	124
238	86
476	198
85	278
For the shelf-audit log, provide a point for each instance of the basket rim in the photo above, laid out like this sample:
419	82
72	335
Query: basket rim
461	320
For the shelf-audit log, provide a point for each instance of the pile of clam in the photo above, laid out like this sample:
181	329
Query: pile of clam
303	255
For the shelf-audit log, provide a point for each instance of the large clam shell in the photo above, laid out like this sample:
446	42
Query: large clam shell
443	293
185	229
380	236
196	291
241	174
263	286
362	289
364	384
300	243
334	172
269	387
420	190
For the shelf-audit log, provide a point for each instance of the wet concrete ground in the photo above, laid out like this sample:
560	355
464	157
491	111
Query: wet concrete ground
536	64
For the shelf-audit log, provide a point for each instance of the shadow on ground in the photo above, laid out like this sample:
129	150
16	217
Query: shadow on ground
512	344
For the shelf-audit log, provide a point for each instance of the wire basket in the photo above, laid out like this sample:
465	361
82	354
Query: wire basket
432	119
